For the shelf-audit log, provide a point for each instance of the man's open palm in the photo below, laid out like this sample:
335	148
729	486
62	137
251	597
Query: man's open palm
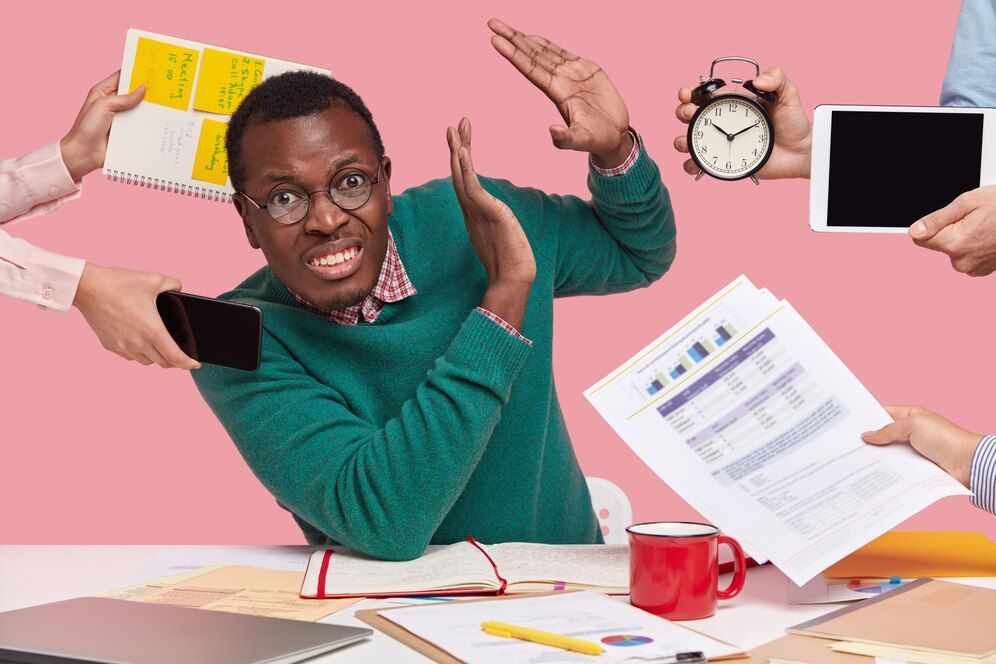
595	114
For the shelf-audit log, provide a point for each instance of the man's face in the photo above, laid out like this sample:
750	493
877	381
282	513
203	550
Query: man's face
332	257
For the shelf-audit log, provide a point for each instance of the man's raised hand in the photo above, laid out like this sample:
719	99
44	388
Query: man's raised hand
495	233
596	117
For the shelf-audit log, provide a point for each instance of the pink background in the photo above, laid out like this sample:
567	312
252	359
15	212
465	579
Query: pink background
96	449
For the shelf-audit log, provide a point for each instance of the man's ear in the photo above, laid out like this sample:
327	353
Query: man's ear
386	171
243	209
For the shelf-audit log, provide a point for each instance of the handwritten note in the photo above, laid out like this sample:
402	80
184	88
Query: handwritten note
225	79
210	160
167	72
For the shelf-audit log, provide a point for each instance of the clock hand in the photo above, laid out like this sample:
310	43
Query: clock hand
746	129
728	135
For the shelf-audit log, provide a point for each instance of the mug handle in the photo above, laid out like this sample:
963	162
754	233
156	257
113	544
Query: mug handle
739	569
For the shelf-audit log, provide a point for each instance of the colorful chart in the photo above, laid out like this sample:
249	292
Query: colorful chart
626	640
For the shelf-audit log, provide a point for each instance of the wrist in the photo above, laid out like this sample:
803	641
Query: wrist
961	469
507	301
75	158
86	287
614	158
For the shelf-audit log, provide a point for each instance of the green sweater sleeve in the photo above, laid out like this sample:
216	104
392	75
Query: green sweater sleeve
381	490
622	239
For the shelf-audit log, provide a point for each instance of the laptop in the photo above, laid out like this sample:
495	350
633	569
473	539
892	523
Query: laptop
98	629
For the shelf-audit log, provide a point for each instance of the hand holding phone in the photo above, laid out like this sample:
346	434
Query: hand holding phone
228	334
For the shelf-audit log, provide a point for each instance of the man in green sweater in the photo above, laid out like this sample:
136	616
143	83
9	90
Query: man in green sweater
406	394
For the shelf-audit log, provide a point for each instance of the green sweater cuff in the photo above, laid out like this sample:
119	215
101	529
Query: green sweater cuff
635	186
485	347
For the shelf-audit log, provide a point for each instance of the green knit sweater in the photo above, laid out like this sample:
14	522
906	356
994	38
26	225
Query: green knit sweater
433	423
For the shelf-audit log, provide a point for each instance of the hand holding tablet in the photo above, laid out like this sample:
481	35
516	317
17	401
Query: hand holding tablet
879	169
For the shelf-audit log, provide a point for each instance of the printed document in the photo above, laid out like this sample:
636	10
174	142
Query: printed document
745	412
625	632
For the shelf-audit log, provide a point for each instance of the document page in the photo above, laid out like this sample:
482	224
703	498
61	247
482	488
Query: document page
624	631
764	433
235	589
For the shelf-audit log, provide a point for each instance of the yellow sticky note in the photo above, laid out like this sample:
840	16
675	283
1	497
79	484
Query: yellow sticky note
225	79
210	161
167	72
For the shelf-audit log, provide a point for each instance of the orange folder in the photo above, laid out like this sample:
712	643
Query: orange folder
913	554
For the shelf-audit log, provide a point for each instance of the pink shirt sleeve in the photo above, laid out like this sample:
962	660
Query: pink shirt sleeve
33	185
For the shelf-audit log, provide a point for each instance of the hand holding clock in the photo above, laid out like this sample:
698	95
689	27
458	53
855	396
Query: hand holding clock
790	156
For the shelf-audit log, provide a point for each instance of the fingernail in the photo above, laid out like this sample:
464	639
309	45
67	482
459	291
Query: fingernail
763	78
867	434
918	229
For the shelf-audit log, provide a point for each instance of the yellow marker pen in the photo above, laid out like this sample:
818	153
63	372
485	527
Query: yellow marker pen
544	638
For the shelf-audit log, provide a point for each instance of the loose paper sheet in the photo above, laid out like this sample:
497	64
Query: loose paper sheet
745	412
236	589
622	630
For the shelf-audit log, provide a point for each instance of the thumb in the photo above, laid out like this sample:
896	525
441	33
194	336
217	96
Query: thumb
773	79
925	228
170	284
570	138
896	432
124	102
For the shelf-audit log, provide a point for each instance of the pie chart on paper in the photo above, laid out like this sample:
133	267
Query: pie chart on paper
626	640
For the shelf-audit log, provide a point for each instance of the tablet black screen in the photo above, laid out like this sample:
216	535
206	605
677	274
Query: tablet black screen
888	169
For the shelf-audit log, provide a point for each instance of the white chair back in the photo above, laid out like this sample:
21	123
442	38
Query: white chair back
612	508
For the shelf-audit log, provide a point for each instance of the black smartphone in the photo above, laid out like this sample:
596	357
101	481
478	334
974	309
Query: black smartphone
228	334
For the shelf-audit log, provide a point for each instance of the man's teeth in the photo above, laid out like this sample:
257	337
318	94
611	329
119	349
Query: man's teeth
335	259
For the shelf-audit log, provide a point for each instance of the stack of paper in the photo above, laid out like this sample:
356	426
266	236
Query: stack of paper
745	412
235	589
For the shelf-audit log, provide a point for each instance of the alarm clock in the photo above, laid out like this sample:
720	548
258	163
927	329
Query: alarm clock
731	135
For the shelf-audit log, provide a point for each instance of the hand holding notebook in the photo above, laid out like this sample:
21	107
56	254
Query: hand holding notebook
175	138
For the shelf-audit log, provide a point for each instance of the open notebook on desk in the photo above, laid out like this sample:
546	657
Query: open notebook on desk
471	568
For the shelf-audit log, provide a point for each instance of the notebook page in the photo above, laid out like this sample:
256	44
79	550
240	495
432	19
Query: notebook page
600	565
174	139
453	566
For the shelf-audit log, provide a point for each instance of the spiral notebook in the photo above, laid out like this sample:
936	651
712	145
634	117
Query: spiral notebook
175	139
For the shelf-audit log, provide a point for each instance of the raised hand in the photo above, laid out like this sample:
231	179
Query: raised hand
791	155
84	147
595	115
495	233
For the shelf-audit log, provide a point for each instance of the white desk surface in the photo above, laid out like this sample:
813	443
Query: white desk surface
31	574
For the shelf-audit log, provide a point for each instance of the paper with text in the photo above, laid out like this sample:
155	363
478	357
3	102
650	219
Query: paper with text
624	631
235	589
225	79
761	433
211	160
166	70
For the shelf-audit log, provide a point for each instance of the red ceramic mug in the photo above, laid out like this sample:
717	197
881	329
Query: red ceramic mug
674	568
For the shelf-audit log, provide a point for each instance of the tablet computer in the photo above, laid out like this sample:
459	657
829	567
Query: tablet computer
877	169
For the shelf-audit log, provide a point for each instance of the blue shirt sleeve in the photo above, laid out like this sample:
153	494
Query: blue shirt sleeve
982	476
970	80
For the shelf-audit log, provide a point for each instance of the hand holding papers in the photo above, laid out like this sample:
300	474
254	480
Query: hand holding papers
745	412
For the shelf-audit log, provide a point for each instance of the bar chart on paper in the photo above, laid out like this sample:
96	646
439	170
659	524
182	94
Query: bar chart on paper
673	360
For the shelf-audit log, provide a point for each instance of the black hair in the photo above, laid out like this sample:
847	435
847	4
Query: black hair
291	95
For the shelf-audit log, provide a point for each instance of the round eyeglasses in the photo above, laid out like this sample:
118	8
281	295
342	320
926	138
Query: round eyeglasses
288	203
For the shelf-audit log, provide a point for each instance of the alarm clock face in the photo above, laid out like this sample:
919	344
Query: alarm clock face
730	137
